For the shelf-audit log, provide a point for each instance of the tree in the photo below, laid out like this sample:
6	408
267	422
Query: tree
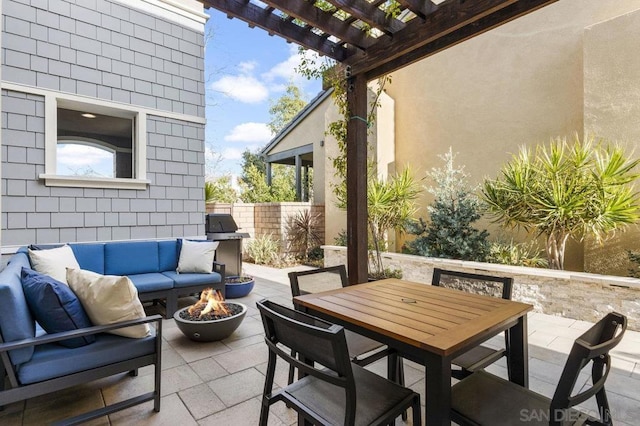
285	108
450	233
254	182
566	190
220	190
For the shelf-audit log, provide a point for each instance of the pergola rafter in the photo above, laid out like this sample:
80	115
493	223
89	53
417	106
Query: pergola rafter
416	29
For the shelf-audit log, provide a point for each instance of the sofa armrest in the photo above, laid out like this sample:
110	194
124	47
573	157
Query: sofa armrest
219	268
96	329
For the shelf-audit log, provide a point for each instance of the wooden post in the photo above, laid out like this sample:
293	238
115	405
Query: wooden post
268	170
357	259
298	178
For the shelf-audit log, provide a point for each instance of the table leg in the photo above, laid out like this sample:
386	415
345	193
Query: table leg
519	353
438	392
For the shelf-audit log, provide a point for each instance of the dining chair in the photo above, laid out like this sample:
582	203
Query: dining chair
362	350
332	389
485	399
480	356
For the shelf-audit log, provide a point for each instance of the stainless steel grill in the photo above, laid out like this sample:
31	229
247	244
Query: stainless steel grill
222	227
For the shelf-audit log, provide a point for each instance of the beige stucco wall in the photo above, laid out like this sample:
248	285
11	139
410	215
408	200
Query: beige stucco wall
520	83
612	110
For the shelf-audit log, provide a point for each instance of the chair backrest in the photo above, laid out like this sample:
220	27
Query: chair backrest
473	283
591	347
317	280
313	339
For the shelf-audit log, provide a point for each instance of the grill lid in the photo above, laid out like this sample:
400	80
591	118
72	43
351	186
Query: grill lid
220	222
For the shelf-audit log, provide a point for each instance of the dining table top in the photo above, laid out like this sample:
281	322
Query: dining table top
439	320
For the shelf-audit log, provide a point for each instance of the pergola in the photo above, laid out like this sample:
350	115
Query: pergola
336	28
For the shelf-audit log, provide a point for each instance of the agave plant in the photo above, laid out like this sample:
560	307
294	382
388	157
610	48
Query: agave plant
566	190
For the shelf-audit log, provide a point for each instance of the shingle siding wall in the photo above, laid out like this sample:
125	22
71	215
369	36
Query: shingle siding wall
93	48
105	50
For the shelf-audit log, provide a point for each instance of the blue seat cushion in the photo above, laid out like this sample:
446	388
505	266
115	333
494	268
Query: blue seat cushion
16	321
168	251
51	360
151	282
188	280
132	257
55	306
90	256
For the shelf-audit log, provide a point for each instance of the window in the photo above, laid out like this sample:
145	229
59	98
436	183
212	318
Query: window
95	145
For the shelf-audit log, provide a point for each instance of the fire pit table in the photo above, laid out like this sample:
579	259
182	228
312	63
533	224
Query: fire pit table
211	318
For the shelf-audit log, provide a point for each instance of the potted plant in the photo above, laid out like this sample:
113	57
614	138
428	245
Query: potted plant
238	286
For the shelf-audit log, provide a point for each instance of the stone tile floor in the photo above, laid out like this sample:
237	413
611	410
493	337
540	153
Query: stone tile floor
220	383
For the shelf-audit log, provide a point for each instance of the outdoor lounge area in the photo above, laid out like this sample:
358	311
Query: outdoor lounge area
221	383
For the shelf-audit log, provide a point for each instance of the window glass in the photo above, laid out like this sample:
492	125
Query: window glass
94	145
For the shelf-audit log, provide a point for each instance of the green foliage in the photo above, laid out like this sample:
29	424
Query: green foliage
263	250
390	204
341	239
254	181
450	232
386	273
517	254
220	190
285	108
304	233
566	190
634	258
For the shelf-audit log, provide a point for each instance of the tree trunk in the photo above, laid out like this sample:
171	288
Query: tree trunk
556	243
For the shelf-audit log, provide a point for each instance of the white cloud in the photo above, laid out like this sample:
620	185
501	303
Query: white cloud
286	70
244	88
249	132
247	67
79	159
232	153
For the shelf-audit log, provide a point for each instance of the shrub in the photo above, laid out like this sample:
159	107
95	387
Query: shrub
517	254
263	250
304	233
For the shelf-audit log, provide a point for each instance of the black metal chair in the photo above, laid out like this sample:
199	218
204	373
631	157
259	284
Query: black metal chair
481	356
362	350
484	399
338	393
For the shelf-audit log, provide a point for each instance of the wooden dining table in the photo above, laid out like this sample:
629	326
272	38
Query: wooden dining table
429	325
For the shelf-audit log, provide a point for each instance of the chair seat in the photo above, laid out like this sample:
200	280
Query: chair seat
376	396
486	399
360	346
478	358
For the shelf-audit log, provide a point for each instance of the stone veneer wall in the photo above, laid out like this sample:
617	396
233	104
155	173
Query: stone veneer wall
580	296
260	219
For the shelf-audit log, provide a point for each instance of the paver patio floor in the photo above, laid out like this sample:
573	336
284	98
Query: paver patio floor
220	383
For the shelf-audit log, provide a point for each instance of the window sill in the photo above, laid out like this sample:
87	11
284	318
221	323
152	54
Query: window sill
94	182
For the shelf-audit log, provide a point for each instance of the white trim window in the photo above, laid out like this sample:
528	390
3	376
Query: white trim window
94	144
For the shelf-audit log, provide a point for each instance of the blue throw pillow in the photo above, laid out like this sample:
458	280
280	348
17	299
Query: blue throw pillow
55	306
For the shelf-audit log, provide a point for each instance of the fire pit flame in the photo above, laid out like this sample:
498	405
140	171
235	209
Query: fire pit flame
211	301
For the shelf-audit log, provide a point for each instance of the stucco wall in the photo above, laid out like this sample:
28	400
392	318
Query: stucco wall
520	83
115	53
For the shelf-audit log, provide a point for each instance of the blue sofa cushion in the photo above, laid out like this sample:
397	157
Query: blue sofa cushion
151	282
128	258
55	306
51	360
168	251
187	280
16	321
90	257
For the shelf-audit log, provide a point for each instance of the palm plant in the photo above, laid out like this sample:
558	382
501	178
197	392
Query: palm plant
304	232
566	190
390	204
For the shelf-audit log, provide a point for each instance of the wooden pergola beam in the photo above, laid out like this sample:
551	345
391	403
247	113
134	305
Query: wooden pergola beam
371	14
480	26
421	8
259	17
324	21
445	19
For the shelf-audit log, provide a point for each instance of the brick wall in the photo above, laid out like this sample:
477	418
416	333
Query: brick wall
103	50
261	219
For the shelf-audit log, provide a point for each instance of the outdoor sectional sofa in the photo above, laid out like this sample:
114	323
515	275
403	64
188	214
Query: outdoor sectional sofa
151	266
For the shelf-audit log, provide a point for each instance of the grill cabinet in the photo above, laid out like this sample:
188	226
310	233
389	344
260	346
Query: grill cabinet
222	227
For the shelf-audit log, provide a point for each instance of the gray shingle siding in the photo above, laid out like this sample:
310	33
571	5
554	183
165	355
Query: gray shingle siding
91	47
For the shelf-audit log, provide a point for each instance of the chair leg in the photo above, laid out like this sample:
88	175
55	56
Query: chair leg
292	370
415	410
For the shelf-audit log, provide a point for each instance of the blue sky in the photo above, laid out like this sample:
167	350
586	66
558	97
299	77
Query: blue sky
244	69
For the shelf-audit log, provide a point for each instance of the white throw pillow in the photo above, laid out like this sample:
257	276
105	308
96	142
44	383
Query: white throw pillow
197	256
108	299
54	262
